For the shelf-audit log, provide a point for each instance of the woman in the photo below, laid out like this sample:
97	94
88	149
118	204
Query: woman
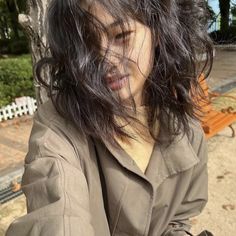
118	148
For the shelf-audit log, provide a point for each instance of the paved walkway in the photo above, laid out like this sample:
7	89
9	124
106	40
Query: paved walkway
13	145
220	213
223	70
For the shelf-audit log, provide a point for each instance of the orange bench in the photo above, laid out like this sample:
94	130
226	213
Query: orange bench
213	121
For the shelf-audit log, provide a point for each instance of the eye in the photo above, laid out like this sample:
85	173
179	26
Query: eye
123	35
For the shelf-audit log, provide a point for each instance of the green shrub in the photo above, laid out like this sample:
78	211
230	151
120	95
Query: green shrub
14	46
19	47
4	46
16	79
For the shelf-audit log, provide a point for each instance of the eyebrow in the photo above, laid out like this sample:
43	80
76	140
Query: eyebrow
113	24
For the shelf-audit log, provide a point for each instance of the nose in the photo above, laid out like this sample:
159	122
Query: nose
111	52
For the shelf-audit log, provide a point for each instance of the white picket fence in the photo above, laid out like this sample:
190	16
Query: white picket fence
21	106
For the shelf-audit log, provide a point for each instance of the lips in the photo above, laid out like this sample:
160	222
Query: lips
114	78
117	84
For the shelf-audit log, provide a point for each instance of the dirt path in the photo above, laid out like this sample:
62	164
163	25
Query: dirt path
219	215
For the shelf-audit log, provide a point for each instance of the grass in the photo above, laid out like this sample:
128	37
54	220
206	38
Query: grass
22	56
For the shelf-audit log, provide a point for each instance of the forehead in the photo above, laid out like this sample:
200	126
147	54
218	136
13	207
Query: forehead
101	14
105	17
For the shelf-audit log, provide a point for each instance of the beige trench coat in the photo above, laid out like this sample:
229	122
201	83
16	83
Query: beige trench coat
66	197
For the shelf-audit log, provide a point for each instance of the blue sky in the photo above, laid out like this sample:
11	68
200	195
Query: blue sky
215	5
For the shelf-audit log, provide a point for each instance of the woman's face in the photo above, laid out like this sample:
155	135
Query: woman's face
139	51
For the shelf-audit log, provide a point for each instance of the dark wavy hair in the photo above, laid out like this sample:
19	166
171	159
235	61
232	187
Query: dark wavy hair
77	67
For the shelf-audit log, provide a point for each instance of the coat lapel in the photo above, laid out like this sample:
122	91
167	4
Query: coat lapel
164	161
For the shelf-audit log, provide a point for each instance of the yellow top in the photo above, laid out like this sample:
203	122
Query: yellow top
139	150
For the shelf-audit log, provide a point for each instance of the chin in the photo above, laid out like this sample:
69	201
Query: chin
125	96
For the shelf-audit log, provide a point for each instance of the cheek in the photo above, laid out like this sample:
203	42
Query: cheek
145	59
142	56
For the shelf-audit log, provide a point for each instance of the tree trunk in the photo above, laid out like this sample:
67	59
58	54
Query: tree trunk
12	9
14	25
224	12
3	27
33	25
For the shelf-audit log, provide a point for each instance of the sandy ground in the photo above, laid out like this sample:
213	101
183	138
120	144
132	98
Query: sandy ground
219	215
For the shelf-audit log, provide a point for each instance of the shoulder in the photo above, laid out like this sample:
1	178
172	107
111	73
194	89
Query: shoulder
47	114
196	134
50	120
52	135
197	139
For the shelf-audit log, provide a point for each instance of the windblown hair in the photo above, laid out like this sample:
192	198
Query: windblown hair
77	67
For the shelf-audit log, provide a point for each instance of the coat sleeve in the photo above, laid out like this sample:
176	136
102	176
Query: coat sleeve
197	194
55	187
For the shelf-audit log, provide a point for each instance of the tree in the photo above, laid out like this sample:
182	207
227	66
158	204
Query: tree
3	20
33	25
233	12
210	12
9	10
224	12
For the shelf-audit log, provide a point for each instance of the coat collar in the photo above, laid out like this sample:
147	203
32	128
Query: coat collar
164	162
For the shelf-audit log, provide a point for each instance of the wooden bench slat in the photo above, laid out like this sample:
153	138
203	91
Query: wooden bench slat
221	123
213	121
213	116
